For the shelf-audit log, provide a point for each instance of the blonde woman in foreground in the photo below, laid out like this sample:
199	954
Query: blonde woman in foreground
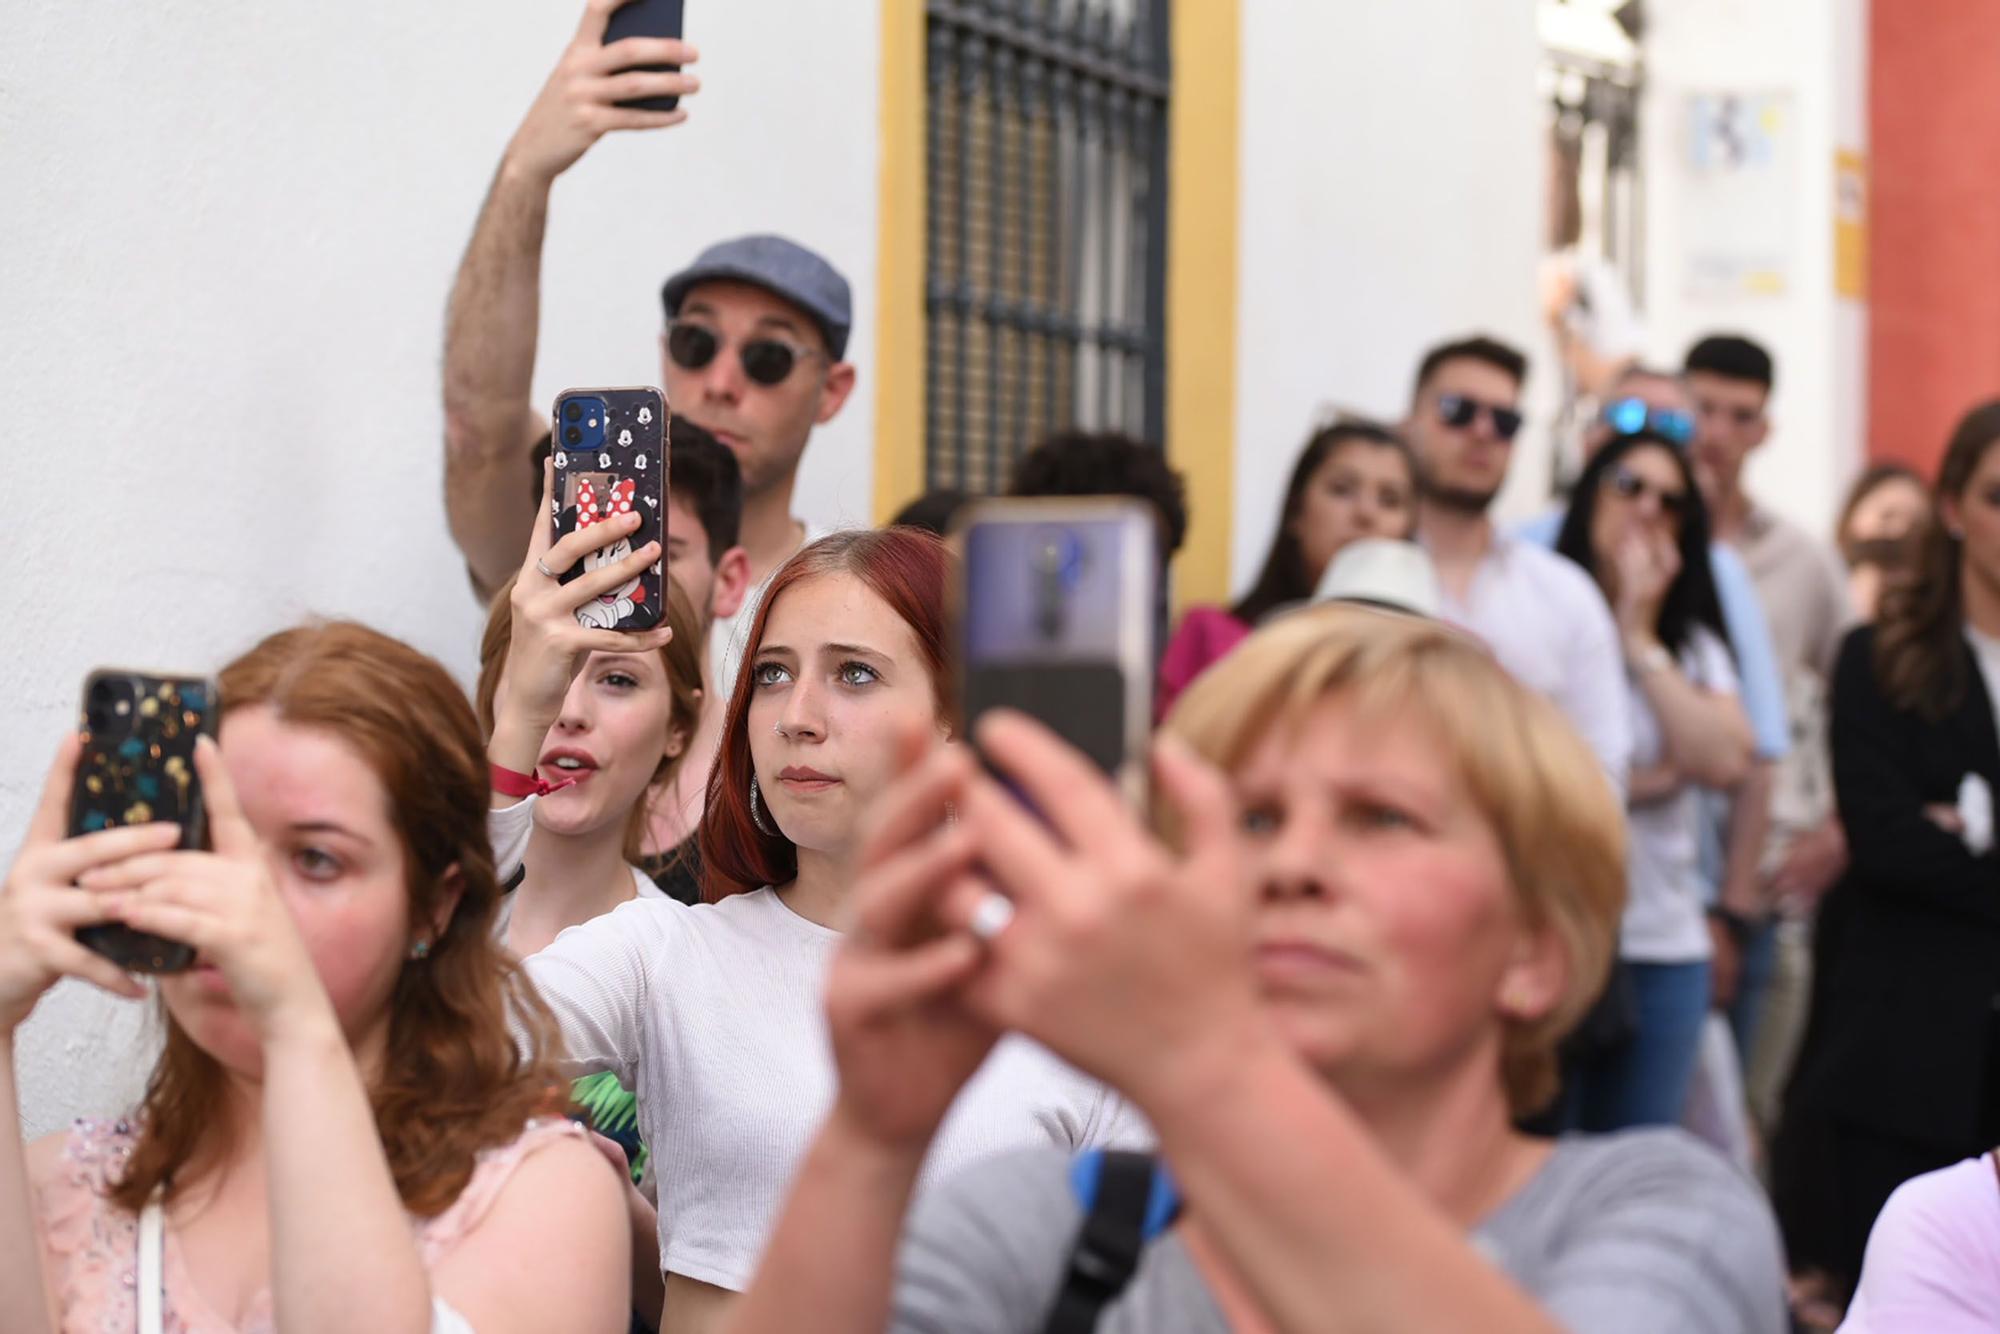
1389	879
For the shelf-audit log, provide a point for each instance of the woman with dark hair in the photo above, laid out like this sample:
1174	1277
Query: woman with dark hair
1354	479
340	1133
712	1013
1900	1074
1638	526
1881	526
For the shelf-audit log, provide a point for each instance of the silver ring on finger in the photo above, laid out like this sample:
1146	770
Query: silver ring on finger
992	915
543	566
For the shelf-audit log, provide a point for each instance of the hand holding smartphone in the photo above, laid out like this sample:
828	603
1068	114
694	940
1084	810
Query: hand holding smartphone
610	451
1055	619
647	18
137	767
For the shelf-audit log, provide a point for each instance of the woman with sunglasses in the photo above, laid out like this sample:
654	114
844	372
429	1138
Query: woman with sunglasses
1638	526
712	1013
1354	479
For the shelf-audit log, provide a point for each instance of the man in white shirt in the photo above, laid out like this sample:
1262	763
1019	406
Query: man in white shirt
1544	619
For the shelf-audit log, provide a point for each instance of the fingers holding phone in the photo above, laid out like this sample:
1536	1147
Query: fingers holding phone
549	641
41	907
549	637
624	70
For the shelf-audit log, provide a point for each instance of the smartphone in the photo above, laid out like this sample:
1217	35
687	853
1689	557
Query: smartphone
1055	619
610	448
138	767
646	18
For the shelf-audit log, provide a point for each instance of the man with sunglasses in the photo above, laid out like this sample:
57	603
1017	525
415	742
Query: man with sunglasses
1642	399
754	348
1542	616
1804	591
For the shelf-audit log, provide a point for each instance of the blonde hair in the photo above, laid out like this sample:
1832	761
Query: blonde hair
1558	822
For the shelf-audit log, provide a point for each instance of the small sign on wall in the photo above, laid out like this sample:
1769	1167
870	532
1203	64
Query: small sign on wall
1738	194
1850	224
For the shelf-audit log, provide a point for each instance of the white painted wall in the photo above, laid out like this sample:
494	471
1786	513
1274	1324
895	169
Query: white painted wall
1391	198
227	236
1816	50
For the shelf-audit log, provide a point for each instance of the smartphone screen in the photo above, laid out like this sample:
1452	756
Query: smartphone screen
1056	620
137	767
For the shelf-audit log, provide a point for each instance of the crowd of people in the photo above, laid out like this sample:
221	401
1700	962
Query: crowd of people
1581	925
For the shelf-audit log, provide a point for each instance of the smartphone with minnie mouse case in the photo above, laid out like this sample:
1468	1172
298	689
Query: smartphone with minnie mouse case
137	767
610	448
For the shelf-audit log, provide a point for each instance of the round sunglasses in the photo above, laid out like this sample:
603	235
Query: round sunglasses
765	359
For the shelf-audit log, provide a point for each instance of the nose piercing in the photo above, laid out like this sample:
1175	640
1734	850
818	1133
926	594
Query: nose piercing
777	729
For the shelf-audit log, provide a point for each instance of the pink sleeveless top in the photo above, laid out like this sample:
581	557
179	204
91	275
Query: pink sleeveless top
94	1244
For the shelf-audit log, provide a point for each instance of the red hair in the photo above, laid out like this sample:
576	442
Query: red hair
907	568
453	1080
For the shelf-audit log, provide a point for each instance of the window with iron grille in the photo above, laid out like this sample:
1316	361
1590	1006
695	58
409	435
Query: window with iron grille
1045	227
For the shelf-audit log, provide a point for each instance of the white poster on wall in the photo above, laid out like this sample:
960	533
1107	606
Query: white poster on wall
1737	191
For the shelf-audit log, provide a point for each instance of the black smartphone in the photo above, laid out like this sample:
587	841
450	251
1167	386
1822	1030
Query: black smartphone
647	18
137	767
610	450
1055	619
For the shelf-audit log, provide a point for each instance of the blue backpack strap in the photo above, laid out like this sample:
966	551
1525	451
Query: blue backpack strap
1127	1201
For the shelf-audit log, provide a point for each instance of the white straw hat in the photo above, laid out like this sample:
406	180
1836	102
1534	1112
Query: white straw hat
1384	573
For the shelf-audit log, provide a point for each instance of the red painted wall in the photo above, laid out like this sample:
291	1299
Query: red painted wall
1934	206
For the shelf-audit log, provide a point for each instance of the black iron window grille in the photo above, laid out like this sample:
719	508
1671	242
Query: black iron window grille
1045	227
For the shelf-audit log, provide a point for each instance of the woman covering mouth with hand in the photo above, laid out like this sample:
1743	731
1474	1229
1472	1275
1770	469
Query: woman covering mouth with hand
713	1013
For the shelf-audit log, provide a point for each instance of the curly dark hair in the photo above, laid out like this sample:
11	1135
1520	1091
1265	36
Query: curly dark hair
932	511
1106	463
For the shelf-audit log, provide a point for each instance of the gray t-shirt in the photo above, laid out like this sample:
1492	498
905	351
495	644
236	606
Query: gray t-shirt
1642	1232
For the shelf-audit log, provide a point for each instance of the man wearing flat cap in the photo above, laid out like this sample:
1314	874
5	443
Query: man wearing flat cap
754	348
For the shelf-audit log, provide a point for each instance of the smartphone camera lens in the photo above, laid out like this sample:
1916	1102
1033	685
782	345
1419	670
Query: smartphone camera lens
571	435
572	410
108	706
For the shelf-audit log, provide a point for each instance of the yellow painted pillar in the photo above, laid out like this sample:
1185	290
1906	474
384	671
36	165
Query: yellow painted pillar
1201	286
898	367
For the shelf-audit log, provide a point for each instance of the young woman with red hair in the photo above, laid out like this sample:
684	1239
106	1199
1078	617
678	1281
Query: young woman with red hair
341	1132
712	1013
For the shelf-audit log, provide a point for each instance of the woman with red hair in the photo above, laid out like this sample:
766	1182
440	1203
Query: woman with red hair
713	1013
340	1132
